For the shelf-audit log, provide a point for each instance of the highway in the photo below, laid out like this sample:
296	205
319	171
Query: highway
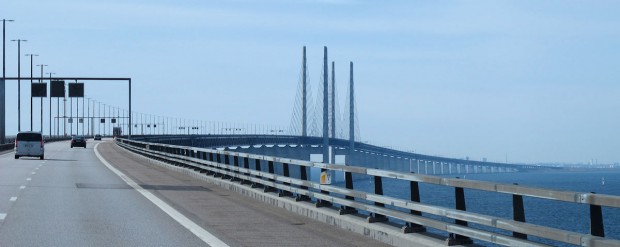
104	196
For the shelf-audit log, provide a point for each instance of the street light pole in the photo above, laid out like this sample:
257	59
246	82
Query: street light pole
40	81
19	74
3	86
31	75
50	94
88	116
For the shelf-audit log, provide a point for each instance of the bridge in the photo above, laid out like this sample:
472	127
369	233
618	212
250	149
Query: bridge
312	186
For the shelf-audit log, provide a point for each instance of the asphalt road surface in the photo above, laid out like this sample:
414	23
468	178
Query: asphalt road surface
72	198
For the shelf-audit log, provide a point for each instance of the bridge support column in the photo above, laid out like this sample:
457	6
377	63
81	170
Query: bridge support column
441	167
449	168
425	167
434	171
418	162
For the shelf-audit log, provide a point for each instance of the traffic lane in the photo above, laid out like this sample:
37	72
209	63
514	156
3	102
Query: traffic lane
235	219
15	175
74	200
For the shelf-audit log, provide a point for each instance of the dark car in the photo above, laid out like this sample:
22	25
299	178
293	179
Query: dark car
78	141
97	138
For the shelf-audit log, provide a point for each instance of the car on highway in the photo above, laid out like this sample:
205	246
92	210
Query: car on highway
78	141
97	137
29	143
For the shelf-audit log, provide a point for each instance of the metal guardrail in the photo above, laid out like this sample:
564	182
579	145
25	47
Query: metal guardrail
210	162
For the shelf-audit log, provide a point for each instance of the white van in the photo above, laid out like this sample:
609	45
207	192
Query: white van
29	144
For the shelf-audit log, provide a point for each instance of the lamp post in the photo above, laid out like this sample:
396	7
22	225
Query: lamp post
2	86
50	94
88	116
31	75
19	74
40	81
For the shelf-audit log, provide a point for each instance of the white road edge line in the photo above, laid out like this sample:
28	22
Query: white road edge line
201	233
13	199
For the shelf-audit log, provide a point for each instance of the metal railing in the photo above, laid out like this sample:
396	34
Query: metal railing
226	164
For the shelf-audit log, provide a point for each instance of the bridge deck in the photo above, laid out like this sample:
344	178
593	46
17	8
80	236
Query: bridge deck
236	219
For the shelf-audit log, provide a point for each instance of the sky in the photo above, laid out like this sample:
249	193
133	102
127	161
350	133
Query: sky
522	81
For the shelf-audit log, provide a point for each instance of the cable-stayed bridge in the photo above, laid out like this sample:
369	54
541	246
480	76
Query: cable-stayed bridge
319	169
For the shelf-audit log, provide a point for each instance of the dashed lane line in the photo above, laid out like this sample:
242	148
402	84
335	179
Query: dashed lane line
2	216
22	187
28	179
13	199
201	233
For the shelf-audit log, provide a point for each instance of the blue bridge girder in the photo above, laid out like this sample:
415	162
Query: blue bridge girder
313	144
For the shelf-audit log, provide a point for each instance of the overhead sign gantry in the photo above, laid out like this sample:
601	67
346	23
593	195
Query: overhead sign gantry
3	99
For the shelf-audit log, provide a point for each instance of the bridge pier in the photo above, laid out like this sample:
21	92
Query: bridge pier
418	162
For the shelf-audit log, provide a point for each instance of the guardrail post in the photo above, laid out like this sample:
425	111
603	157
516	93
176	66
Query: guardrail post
211	159
456	239
415	197
286	173
257	163
228	167
518	213
375	217
218	158
271	171
303	175
323	203
203	156
349	185
596	220
246	165
235	168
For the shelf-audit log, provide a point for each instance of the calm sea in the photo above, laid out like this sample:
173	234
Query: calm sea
567	216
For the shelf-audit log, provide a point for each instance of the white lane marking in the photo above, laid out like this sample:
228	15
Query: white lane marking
33	173
13	199
6	154
22	187
28	179
2	216
36	168
201	233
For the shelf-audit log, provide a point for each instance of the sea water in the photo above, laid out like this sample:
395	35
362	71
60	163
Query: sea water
562	215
